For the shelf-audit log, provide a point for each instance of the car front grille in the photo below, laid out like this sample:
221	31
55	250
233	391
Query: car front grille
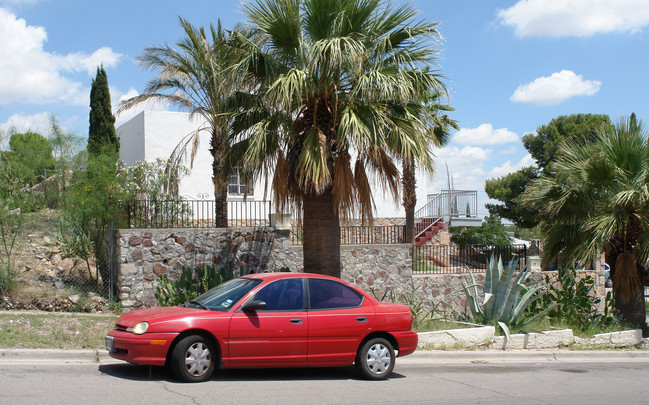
120	327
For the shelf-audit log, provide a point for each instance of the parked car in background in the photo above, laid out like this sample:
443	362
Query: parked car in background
608	283
268	320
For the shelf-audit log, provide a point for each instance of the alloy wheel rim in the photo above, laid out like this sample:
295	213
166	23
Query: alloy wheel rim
378	359
198	359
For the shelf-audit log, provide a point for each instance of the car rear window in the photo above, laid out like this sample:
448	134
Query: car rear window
329	294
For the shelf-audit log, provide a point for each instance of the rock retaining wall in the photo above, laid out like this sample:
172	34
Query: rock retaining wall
383	270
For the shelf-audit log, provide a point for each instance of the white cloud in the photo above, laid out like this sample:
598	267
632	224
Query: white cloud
508	167
36	122
465	168
29	74
79	61
485	134
555	89
473	154
509	151
579	18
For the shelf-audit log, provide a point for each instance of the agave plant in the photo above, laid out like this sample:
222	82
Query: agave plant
506	294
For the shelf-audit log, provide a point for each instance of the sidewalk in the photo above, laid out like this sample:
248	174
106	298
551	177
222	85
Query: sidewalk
420	357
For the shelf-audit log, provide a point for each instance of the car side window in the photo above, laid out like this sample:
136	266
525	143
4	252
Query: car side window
329	294
282	295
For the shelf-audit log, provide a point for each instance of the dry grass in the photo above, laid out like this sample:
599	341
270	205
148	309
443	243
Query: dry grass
54	330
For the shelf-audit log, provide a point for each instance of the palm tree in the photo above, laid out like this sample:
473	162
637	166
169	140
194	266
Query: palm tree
598	200
192	76
440	126
336	90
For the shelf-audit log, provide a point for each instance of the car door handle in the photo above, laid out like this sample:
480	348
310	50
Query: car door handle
362	319
296	321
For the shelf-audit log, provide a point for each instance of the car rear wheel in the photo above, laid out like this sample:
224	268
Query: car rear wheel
193	359
375	359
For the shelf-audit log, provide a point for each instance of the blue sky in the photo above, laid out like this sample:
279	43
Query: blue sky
511	66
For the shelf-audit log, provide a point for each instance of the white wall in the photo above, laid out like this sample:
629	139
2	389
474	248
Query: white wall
155	134
131	140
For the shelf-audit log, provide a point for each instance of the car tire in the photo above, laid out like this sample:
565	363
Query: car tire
193	359
375	360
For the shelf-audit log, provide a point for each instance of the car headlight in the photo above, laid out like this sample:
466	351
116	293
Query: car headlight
139	329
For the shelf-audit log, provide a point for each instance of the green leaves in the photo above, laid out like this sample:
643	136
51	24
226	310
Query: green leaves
569	300
347	77
506	295
596	199
191	283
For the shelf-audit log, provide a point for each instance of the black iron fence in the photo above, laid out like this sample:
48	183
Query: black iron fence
362	235
182	213
438	259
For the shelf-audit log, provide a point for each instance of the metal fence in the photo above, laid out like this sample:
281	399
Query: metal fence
437	259
362	235
450	203
182	213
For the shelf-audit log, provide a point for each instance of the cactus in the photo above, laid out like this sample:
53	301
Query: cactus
506	295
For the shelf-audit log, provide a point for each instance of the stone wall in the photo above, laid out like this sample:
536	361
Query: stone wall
383	270
144	254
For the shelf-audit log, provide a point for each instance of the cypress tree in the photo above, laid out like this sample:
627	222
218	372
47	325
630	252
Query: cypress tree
102	137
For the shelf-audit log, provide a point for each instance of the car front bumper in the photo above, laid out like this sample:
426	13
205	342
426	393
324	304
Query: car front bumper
148	348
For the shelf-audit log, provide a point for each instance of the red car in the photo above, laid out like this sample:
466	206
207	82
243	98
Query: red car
268	320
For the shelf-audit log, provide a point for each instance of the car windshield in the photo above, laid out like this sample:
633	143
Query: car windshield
225	295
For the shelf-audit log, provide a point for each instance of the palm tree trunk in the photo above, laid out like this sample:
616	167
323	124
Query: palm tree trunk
409	197
220	205
220	185
321	235
633	311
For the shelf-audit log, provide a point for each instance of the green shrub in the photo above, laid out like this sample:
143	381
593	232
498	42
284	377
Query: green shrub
491	232
10	226
571	302
75	241
191	283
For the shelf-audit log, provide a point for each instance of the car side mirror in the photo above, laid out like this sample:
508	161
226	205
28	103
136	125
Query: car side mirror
254	305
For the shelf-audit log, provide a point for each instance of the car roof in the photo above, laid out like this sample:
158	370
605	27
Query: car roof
279	275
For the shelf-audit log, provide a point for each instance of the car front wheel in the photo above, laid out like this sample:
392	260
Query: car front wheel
193	359
375	359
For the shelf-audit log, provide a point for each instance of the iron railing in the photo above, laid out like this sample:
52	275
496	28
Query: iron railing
184	213
452	203
444	206
443	259
362	235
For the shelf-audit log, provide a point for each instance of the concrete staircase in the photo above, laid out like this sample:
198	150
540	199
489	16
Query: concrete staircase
426	228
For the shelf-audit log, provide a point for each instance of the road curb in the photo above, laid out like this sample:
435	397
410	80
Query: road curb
522	356
423	357
53	355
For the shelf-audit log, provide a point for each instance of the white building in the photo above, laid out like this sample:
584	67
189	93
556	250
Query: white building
154	134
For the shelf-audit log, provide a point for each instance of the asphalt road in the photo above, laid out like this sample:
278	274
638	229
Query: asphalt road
467	378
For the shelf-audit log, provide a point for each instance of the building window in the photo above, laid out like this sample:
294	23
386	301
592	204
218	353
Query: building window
237	185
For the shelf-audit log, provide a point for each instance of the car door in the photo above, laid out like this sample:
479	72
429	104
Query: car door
276	335
339	318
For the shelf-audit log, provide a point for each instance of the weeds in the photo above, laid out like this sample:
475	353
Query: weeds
570	303
10	226
423	317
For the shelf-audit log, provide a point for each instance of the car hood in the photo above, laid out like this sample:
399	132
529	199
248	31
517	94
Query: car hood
153	315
